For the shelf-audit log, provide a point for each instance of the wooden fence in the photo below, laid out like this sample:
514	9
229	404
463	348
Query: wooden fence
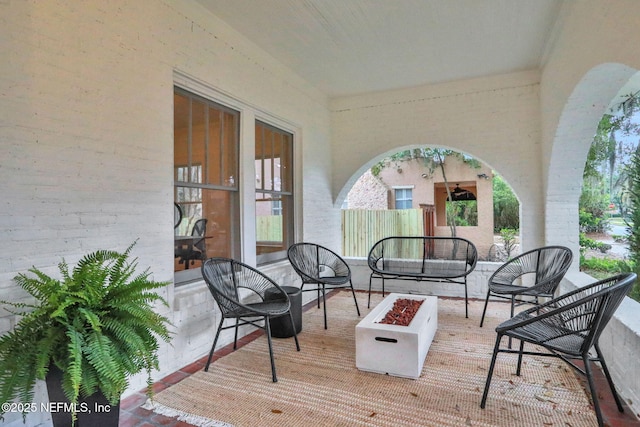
269	228
362	228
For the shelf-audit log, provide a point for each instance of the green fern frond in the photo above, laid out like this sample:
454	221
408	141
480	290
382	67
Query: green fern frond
40	287
73	368
14	369
90	383
17	305
145	316
43	352
60	311
121	269
125	336
99	353
91	318
63	267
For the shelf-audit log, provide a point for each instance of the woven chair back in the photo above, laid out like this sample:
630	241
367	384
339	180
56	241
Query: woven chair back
549	264
233	284
313	262
588	310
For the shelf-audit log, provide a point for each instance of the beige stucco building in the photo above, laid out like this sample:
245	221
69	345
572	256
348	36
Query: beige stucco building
420	185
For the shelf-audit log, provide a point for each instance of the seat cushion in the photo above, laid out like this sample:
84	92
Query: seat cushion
272	308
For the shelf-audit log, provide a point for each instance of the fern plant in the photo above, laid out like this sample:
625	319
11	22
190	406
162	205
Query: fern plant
97	324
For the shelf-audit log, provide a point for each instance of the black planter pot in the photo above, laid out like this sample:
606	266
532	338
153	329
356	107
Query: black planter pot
92	411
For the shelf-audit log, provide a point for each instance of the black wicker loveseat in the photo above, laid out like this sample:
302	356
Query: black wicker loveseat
423	258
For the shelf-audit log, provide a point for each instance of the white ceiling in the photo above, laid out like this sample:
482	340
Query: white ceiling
354	46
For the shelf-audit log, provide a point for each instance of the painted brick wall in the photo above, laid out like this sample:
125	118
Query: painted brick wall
86	151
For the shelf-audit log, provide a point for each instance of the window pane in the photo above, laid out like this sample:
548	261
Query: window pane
404	198
274	199
286	162
198	140
229	149
214	158
267	151
205	162
206	229
259	157
277	152
181	105
269	223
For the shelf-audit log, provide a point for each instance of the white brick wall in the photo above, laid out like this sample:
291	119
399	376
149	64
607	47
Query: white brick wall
86	140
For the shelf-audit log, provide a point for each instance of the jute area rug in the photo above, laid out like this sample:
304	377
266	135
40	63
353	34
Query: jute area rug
321	386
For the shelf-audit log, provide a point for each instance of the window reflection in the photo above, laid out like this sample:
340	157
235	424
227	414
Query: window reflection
206	185
274	196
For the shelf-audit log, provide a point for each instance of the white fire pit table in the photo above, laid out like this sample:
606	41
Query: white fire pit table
394	349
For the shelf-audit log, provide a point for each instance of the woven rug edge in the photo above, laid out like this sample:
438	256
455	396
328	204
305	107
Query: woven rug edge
195	420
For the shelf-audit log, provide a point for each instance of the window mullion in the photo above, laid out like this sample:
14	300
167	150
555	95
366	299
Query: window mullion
221	177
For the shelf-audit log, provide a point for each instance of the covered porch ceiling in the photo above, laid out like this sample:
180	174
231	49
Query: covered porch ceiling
358	46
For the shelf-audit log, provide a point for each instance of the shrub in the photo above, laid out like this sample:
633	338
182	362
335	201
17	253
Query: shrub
590	223
508	236
588	243
601	268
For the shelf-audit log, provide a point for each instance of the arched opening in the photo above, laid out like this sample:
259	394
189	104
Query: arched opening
608	202
424	191
567	157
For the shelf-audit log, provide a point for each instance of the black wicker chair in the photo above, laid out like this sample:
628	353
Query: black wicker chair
247	295
546	266
568	327
317	265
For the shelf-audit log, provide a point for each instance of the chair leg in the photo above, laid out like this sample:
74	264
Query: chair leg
383	287
486	302
513	305
273	365
235	337
213	347
353	292
490	374
369	299
324	306
592	388
609	379
520	358
293	328
466	300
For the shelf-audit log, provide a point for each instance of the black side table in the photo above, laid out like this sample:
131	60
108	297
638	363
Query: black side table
281	326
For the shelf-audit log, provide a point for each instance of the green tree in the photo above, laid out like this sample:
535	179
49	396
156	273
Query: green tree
633	224
612	175
605	174
506	209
